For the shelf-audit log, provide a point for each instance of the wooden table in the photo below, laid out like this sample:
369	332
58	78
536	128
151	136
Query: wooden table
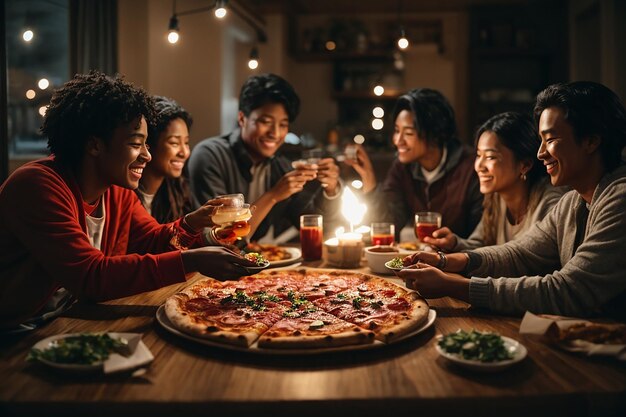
408	378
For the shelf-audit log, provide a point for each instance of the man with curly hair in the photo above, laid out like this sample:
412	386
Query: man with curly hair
70	224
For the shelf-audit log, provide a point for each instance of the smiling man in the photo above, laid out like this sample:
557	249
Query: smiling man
572	263
71	226
247	161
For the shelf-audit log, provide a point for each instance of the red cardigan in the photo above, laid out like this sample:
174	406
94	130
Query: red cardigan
44	244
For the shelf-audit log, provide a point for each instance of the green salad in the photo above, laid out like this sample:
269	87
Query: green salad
396	263
82	349
256	258
484	347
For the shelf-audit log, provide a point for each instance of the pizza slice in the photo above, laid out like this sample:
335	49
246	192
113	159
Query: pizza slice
226	316
380	306
313	329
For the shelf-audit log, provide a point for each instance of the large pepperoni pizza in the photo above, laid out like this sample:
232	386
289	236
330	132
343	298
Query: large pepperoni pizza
297	309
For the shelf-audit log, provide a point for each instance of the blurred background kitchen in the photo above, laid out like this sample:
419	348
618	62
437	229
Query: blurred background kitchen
342	56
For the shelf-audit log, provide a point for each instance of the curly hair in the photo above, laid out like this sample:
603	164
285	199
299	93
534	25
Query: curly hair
516	132
262	89
173	198
91	105
432	115
591	109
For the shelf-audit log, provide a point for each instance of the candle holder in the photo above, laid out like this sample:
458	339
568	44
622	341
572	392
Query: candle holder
344	251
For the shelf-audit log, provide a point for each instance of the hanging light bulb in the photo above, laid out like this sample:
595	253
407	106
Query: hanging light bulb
379	90
220	9
28	35
403	42
253	63
173	35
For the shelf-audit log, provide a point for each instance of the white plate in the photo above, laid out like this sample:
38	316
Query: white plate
141	353
296	256
167	324
391	268
516	348
255	269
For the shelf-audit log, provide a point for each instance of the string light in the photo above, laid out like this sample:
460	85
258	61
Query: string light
378	112
43	84
28	35
379	90
30	94
173	35
403	42
377	124
220	9
253	63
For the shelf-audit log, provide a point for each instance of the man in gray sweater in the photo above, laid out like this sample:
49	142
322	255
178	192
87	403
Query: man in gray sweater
574	261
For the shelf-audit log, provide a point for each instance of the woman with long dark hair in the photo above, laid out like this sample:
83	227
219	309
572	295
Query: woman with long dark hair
515	184
164	187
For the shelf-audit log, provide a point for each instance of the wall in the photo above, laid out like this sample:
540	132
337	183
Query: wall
596	43
197	71
206	68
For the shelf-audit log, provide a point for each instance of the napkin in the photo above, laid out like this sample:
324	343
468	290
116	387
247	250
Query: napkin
548	327
138	354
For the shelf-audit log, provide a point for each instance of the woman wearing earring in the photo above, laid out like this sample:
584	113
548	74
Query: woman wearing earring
516	187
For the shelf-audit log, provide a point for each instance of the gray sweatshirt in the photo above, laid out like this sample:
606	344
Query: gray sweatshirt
572	263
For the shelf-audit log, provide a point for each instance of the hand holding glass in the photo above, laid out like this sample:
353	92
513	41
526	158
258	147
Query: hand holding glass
426	223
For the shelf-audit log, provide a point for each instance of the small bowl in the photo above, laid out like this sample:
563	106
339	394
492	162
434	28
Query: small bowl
393	268
377	256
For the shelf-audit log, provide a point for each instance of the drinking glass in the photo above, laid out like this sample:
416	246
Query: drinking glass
232	222
311	236
426	223
382	233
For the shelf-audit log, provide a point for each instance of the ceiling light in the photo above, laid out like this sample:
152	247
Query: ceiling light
43	83
379	90
173	35
220	9
403	42
28	35
378	112
253	63
377	124
30	94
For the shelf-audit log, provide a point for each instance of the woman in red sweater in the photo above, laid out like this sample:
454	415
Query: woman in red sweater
71	225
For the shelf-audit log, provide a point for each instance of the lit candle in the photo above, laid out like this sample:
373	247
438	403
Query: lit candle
350	239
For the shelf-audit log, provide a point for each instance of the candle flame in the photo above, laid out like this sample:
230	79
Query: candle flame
351	208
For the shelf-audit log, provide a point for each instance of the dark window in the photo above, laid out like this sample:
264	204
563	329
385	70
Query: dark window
42	54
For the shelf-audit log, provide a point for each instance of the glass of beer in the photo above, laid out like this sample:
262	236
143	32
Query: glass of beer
426	223
232	222
311	236
382	233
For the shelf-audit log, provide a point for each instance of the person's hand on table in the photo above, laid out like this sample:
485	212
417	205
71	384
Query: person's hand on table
328	175
451	262
216	261
431	282
443	239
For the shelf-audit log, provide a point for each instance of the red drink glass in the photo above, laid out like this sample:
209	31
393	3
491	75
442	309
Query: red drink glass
382	233
426	223
311	236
